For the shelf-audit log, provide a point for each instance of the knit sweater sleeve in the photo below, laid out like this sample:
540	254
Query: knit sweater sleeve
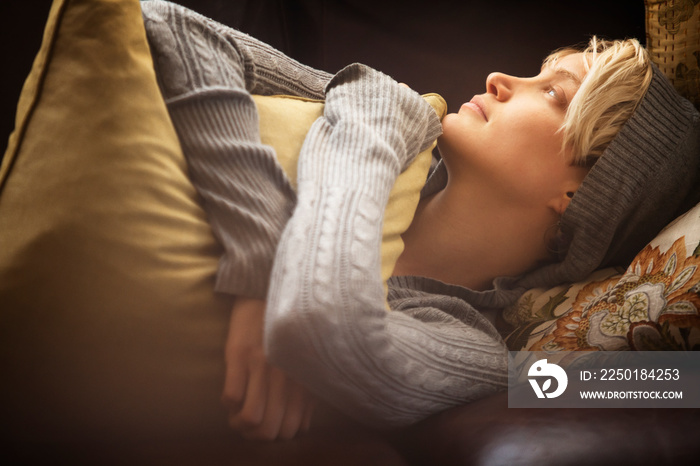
326	322
206	73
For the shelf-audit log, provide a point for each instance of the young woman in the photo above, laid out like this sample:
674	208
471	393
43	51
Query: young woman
587	161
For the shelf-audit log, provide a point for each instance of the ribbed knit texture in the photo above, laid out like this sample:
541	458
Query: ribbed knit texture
206	77
326	323
647	176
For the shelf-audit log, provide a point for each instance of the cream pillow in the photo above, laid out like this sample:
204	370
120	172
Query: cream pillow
284	122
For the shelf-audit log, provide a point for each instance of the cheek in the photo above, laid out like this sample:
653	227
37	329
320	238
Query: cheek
532	133
523	158
525	164
516	152
531	148
521	179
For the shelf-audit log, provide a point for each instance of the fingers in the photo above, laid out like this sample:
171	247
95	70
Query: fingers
253	411
236	358
297	412
308	414
275	407
235	382
263	403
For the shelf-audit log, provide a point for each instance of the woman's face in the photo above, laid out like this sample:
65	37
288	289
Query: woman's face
507	139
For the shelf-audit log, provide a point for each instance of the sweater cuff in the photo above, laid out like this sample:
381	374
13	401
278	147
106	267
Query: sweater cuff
246	194
237	279
361	95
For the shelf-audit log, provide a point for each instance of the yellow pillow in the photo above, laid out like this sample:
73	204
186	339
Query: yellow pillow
110	325
284	122
107	262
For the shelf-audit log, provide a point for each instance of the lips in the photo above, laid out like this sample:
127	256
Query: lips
476	105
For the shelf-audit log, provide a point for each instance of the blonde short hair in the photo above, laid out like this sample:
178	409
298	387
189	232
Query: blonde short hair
618	74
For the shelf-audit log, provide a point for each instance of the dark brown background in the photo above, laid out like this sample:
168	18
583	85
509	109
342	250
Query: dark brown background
435	46
439	46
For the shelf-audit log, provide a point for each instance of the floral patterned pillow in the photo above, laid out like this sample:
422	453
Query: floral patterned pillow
673	39
653	305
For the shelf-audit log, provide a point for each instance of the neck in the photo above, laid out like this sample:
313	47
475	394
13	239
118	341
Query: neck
470	243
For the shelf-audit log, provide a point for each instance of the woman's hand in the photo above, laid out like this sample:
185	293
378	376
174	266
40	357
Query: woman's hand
263	402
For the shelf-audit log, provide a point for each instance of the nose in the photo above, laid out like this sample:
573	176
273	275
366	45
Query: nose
500	85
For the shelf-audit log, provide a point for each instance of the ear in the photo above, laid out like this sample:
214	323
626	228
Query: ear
566	188
561	202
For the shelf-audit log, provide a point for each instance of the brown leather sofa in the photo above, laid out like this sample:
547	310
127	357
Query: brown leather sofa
434	46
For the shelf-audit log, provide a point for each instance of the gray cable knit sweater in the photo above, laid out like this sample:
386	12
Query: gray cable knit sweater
314	254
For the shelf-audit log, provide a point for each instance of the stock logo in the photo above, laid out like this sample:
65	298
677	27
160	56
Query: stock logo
543	369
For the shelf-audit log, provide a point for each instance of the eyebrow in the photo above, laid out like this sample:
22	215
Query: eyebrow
566	74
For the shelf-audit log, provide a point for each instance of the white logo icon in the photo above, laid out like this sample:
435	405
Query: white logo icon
542	368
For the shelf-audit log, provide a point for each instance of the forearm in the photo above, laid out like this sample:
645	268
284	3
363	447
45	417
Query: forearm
328	328
326	322
246	195
206	73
